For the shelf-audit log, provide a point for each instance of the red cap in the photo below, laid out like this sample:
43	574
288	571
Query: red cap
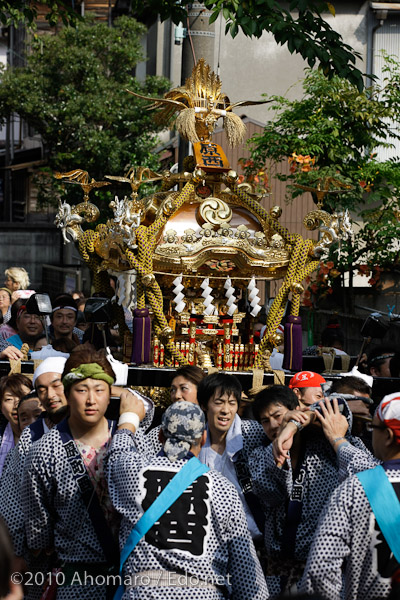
306	379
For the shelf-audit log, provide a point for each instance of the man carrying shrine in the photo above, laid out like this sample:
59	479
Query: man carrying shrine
183	532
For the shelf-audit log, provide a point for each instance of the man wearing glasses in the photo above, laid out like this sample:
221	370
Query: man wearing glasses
29	326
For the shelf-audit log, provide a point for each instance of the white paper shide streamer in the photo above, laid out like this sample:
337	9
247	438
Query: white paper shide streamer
230	295
253	296
125	288
208	299
179	296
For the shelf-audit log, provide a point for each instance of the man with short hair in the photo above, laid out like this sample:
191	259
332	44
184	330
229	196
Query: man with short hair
357	394
50	391
349	544
63	319
200	547
270	407
47	380
230	441
307	387
352	385
29	326
378	362
293	487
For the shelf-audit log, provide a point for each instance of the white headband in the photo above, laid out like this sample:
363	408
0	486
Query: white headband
53	364
61	307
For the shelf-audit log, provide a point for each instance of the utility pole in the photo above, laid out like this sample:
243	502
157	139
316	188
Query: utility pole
198	43
9	149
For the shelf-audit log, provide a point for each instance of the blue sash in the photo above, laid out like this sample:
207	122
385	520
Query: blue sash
175	488
384	504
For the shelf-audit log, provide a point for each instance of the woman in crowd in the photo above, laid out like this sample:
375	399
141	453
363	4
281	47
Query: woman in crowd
10	328
185	382
16	278
230	441
12	389
5	305
65	495
184	386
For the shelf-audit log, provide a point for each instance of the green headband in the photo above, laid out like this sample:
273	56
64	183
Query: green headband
86	371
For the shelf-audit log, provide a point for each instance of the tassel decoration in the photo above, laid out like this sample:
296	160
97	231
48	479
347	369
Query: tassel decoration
293	353
141	336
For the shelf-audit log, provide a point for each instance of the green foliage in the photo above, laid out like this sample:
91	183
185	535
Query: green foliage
377	241
73	92
335	131
333	123
305	32
13	12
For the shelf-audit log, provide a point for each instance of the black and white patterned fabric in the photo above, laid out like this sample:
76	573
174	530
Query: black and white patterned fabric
53	509
10	491
353	458
153	444
275	487
10	504
204	533
55	515
348	537
11	480
182	424
11	508
12	514
253	436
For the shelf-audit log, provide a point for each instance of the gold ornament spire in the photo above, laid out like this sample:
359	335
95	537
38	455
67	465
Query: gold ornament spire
199	104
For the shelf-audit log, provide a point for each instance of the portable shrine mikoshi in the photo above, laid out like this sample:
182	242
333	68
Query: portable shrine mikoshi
188	255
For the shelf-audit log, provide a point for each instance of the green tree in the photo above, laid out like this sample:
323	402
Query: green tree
298	23
334	132
333	123
72	91
21	11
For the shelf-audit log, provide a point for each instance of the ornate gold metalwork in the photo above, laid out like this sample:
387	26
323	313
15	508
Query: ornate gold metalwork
231	177
166	335
195	226
334	226
323	188
148	280
275	212
137	177
296	287
199	175
276	339
215	211
79	177
200	103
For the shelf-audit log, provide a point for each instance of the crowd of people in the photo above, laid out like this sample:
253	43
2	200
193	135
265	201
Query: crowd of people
290	491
